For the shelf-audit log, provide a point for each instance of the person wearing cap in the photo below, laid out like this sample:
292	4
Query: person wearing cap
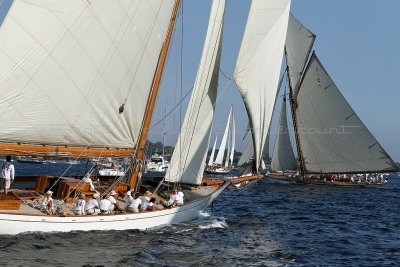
80	205
47	203
115	205
7	173
92	207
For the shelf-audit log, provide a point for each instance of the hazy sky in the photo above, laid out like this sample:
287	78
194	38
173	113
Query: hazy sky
357	41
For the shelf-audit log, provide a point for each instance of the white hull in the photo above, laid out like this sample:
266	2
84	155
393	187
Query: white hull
15	224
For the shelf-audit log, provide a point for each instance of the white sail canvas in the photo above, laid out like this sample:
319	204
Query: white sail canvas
191	148
68	67
259	64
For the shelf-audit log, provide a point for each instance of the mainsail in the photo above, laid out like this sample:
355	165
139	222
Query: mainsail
78	73
299	42
233	137
191	148
259	64
283	157
333	138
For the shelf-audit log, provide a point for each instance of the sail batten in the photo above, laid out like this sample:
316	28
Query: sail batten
259	64
78	73
190	152
333	138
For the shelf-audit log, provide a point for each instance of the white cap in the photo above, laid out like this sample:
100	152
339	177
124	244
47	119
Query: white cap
49	192
112	193
95	195
128	193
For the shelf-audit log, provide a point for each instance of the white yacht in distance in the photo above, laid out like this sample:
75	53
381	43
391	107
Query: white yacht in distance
157	164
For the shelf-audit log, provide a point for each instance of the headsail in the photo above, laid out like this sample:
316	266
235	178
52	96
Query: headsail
193	141
283	157
47	98
333	138
299	42
259	63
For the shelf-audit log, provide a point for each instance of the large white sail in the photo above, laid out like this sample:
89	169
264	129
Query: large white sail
259	64
283	157
193	141
299	42
332	137
222	147
211	160
78	73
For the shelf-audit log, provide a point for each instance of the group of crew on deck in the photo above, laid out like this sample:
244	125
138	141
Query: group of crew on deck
108	204
367	178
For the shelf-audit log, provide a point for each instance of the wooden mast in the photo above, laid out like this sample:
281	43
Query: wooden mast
133	182
294	117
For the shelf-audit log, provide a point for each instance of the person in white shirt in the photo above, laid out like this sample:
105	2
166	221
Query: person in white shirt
114	203
172	201
80	205
145	200
128	199
105	206
47	203
92	207
135	204
180	197
7	174
89	181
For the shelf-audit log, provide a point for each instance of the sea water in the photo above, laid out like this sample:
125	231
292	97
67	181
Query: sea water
265	225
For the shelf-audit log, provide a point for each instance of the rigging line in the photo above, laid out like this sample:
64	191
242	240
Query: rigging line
67	169
223	74
172	110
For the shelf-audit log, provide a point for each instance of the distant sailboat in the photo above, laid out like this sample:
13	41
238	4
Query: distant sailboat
260	54
228	143
333	144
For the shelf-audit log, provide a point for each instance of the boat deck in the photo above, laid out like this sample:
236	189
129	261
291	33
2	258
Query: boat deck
31	207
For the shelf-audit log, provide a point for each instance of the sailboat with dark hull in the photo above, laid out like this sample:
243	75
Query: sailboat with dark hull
80	79
333	144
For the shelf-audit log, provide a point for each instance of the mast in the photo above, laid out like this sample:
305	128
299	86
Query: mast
294	117
165	120
133	182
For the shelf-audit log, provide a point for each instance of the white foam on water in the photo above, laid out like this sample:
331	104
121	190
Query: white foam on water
204	214
214	224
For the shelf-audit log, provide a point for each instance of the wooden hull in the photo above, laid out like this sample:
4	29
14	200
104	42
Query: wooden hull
15	223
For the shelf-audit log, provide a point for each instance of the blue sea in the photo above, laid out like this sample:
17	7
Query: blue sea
267	224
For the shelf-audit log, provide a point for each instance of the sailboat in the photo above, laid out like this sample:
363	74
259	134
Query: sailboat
257	74
216	166
82	82
333	144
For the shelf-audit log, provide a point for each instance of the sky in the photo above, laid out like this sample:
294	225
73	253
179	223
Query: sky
357	42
